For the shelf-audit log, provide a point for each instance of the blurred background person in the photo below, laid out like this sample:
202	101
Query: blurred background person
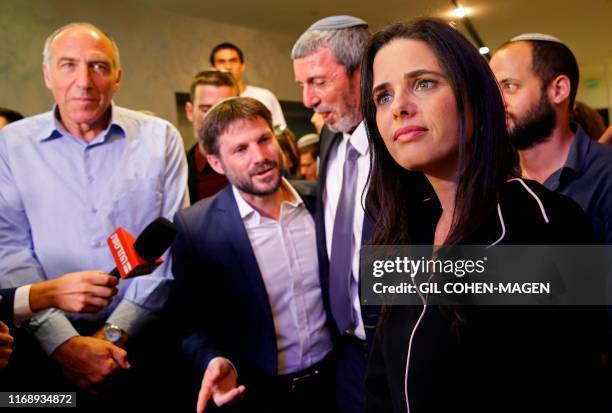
316	120
207	89
8	115
227	57
288	144
590	120
308	146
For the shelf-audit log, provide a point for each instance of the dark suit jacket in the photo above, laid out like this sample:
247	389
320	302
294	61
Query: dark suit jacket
328	141
192	174
223	301
7	305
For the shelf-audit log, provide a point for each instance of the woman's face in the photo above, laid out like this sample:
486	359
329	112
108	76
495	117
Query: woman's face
416	113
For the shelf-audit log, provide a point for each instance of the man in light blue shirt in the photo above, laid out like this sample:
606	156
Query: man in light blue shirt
68	179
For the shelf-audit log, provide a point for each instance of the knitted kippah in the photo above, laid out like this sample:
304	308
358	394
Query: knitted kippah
536	36
337	22
308	139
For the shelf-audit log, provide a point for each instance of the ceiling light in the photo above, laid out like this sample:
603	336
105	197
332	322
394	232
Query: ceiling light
484	50
460	12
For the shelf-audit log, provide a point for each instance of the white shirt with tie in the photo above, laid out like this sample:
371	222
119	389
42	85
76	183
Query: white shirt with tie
331	195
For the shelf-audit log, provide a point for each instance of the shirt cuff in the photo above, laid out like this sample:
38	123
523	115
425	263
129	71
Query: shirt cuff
228	360
130	317
21	305
51	328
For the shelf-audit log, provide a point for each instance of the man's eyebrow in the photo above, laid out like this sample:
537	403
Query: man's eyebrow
67	59
508	79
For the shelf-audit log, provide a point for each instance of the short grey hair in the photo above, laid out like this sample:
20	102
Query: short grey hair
47	48
347	45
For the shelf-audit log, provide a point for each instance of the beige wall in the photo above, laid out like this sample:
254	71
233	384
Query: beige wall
160	52
601	96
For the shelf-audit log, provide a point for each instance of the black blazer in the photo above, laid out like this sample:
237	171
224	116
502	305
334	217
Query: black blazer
223	304
369	314
192	174
515	358
7	305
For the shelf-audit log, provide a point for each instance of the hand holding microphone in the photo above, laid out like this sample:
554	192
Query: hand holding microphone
90	361
77	292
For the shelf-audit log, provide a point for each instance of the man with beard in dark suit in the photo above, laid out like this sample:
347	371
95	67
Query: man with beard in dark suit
246	267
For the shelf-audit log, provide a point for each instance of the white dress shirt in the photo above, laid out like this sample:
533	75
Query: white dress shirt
331	194
286	253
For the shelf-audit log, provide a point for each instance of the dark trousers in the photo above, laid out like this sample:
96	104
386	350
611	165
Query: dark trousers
307	391
351	364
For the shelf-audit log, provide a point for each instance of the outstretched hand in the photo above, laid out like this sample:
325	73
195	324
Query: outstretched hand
219	382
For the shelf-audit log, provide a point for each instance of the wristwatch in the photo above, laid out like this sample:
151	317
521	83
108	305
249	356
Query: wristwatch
112	333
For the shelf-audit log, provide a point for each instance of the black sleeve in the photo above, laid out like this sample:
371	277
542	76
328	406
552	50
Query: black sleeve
7	305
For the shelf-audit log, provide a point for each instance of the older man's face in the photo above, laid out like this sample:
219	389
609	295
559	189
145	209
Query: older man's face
329	90
83	78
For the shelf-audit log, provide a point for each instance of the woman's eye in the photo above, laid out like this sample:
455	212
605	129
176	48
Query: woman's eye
424	84
382	99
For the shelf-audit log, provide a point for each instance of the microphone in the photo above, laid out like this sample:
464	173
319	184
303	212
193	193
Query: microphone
140	256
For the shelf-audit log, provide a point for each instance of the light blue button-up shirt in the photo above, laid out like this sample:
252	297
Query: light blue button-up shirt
61	197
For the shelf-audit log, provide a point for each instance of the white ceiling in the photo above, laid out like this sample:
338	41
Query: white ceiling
585	25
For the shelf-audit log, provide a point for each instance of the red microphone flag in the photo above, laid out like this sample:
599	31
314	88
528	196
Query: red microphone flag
129	263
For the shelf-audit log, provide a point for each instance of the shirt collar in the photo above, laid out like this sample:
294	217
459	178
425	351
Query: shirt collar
246	210
578	150
359	139
575	160
55	128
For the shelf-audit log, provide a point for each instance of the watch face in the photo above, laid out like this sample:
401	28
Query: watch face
112	333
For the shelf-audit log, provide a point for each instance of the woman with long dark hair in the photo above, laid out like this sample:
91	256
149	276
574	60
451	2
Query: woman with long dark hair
444	173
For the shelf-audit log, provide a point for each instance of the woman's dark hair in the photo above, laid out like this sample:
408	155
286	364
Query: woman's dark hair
485	159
